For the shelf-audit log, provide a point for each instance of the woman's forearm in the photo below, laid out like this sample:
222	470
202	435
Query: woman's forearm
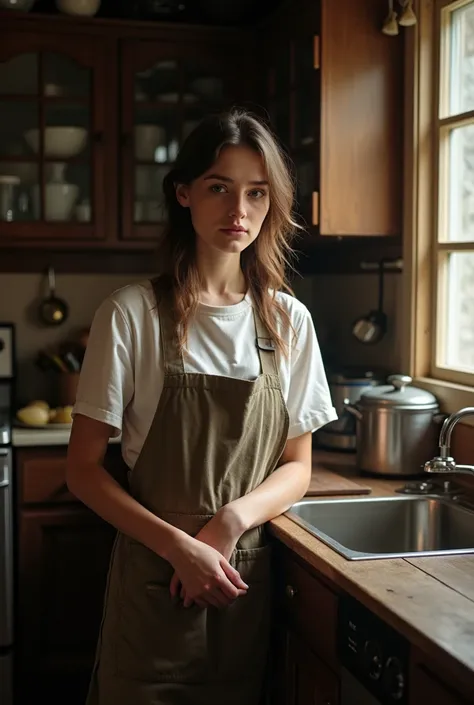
285	486
96	488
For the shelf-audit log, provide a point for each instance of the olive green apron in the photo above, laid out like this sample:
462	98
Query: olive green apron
213	439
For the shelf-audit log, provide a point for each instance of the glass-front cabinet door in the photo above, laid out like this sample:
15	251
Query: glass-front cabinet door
164	95
294	106
52	120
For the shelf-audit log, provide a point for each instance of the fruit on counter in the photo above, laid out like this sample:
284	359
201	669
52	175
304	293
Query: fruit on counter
33	415
40	402
63	414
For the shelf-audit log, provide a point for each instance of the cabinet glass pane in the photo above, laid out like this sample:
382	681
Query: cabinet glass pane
17	120
282	120
17	183
158	82
305	82
65	77
19	75
149	199
305	174
202	84
283	69
156	135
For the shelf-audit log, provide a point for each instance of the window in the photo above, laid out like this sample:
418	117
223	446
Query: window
453	280
438	291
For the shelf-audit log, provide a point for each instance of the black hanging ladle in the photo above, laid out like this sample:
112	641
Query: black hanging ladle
370	329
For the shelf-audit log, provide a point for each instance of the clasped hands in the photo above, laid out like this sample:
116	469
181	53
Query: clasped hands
203	574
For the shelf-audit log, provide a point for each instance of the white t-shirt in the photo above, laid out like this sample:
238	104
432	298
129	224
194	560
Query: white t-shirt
122	372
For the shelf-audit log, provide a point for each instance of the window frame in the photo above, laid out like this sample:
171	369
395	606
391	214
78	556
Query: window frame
421	174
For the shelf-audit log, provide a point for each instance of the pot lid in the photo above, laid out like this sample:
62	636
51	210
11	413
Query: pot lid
399	393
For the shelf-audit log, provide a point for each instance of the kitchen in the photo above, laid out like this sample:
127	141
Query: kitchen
355	126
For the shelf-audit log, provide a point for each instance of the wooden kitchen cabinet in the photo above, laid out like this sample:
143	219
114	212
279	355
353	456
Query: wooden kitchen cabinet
304	655
312	681
63	554
431	683
50	81
136	88
335	98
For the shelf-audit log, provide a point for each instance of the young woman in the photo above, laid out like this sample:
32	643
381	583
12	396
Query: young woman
215	379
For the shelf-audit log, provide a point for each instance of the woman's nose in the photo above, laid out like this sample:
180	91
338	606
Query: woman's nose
238	209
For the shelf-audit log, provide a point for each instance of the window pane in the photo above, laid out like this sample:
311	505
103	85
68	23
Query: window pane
460	185
461	69
458	345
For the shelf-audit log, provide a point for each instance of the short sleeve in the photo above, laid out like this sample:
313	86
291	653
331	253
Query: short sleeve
106	379
309	400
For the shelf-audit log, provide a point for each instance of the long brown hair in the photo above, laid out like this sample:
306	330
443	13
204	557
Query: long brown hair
265	260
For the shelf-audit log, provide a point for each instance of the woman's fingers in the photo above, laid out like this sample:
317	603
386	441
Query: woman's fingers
175	585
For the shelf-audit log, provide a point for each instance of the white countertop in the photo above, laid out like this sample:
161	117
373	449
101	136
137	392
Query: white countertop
23	437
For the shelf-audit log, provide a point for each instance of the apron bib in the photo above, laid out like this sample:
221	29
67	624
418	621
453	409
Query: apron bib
213	439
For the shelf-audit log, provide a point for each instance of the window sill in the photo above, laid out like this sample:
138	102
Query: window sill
451	397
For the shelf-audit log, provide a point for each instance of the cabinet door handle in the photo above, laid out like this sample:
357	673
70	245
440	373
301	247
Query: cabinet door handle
99	138
290	591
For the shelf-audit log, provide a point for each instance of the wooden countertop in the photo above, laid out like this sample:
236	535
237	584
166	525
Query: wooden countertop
430	600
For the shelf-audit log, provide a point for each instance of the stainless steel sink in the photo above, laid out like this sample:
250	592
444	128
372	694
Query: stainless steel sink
388	527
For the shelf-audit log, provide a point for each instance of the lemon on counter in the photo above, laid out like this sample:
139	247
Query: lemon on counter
33	415
41	403
63	414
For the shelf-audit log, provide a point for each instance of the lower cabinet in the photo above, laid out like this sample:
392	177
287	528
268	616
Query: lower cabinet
63	555
305	663
428	687
311	682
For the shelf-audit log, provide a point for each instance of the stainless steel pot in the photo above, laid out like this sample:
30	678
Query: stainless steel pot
396	428
345	386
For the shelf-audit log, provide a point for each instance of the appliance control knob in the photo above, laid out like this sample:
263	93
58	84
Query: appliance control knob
394	678
373	659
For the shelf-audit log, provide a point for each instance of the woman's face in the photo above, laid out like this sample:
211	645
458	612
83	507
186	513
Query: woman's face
229	202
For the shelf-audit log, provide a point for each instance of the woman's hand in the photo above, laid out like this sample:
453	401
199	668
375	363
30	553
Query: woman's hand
220	533
206	577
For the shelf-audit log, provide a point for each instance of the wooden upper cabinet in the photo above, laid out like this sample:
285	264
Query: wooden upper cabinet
54	144
361	121
334	96
167	87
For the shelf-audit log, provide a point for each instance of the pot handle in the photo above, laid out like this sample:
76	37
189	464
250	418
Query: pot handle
352	409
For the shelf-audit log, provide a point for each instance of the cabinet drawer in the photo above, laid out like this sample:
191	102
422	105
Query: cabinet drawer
43	480
310	608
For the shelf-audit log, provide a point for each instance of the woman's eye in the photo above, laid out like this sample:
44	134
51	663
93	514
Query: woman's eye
257	193
218	188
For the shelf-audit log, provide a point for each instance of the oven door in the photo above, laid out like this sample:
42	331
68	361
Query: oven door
6	549
353	692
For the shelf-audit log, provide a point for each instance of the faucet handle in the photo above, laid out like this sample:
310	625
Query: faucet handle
440	465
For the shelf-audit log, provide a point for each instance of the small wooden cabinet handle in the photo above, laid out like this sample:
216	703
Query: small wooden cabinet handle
290	591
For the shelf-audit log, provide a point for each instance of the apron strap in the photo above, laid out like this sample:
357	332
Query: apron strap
265	347
172	356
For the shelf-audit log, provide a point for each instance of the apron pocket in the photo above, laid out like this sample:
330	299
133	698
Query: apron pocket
244	626
158	640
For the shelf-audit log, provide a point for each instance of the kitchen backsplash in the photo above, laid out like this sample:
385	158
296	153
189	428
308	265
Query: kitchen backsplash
335	301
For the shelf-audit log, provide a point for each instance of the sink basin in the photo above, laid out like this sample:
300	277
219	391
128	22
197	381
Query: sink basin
388	527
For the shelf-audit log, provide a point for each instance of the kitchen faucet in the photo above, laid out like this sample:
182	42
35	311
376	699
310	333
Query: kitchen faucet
444	462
